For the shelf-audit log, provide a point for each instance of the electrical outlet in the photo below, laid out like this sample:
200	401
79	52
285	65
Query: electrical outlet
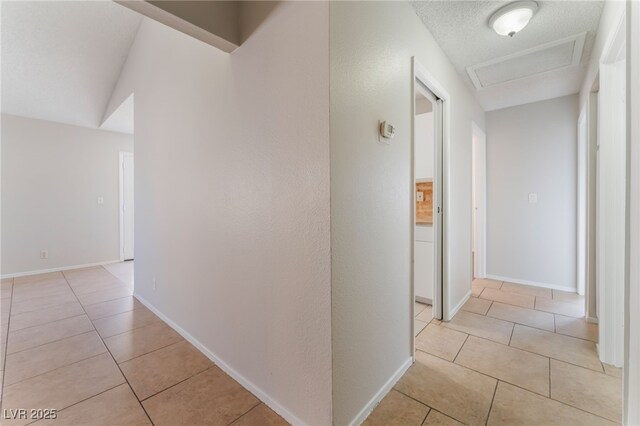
155	287
44	254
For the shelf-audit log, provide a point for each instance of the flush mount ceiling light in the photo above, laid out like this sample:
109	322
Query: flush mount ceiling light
512	18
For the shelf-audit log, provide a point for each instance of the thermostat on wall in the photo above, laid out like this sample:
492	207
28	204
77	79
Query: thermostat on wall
387	131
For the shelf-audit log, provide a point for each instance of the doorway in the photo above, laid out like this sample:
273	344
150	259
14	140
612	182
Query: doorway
126	171
478	201
427	180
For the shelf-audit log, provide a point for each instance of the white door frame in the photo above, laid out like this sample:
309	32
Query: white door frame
479	200
631	412
611	199
121	156
591	291
581	210
441	198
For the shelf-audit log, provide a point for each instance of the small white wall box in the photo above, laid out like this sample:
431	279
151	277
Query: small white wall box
387	131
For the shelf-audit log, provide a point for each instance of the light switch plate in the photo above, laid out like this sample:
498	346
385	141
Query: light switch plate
100	200
533	198
420	196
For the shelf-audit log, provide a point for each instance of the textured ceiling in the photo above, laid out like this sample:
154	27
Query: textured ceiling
461	29
61	60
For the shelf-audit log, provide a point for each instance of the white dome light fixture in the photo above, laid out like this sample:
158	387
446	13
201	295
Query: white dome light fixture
512	18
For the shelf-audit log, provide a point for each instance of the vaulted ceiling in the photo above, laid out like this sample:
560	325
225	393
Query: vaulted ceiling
545	60
62	59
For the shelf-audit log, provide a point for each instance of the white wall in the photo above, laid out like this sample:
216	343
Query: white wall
532	149
371	219
232	199
52	176
424	151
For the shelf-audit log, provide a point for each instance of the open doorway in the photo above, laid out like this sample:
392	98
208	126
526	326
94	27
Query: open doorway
478	201
126	206
427	183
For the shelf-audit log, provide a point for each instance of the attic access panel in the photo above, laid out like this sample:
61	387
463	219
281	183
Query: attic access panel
547	57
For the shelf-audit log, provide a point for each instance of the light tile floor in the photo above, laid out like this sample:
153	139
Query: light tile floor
80	343
514	355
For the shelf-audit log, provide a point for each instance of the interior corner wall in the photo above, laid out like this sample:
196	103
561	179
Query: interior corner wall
232	200
532	149
612	11
371	45
52	176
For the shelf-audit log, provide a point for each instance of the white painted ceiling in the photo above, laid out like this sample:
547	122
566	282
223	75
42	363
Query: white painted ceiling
461	29
62	59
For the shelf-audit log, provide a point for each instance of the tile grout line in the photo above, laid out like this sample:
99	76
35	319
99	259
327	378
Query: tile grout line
245	413
4	346
83	400
510	384
425	416
544	329
182	339
493	398
428	406
536	353
550	378
513	328
110	354
486	314
57	368
517	348
159	320
54	341
460	350
181	381
48	322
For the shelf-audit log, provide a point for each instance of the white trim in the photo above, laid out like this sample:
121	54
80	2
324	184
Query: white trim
384	390
631	396
421	74
459	306
534	283
60	268
615	41
611	211
251	387
582	188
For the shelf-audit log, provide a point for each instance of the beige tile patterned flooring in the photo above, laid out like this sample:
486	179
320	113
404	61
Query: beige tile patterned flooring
80	343
513	355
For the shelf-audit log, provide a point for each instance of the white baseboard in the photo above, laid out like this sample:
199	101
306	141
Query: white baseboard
459	306
592	320
255	390
58	269
384	390
424	300
534	283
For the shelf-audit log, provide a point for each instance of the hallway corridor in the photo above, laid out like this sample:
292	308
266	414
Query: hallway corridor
514	355
79	343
